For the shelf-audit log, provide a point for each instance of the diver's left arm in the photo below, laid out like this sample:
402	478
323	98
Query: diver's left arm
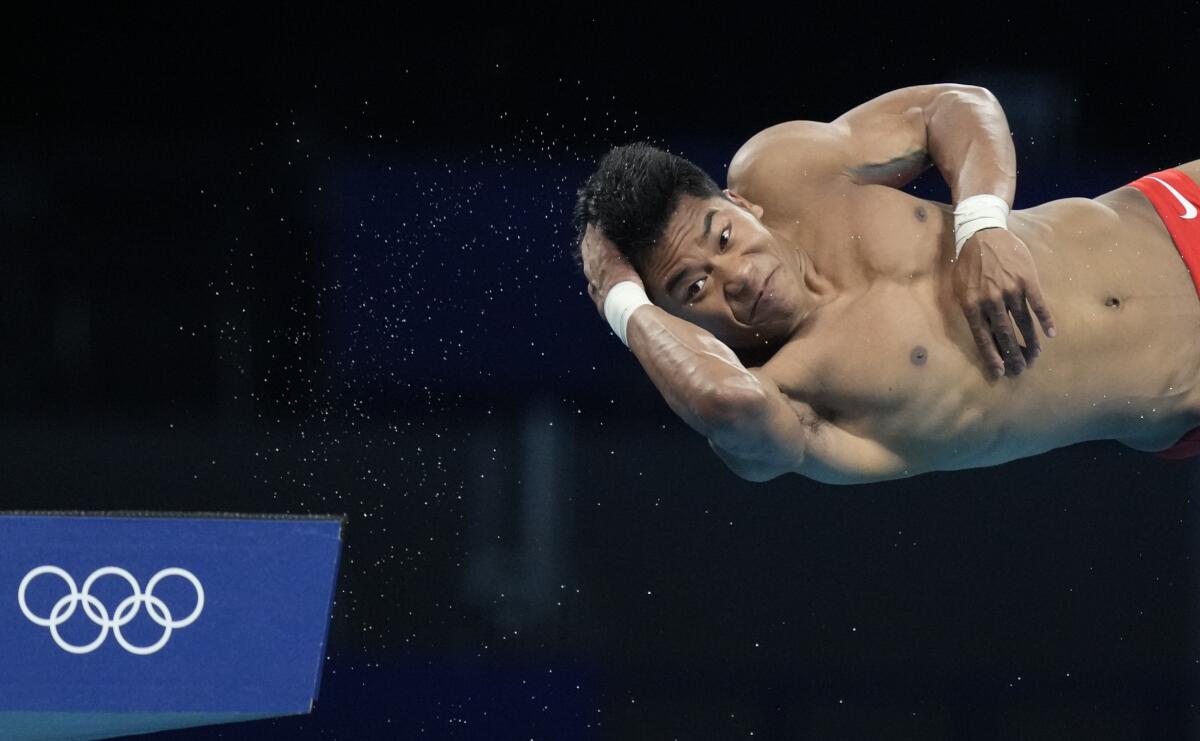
966	136
892	139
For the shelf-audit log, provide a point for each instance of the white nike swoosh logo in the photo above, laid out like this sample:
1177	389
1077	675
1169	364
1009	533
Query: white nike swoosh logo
1189	210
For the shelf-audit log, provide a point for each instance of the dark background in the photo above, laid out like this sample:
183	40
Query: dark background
292	262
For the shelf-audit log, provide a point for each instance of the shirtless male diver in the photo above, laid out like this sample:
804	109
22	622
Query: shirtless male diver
846	296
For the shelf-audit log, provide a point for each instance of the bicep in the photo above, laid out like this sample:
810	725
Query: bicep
778	435
808	153
882	141
840	457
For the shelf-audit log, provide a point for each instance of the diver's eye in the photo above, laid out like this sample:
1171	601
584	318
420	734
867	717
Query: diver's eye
724	237
695	288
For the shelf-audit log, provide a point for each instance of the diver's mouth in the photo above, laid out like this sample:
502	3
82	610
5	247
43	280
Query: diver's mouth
761	291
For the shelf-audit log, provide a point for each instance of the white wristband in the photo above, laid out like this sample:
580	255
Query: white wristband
620	303
975	213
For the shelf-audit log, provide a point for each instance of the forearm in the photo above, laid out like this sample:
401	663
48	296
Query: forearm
969	141
700	378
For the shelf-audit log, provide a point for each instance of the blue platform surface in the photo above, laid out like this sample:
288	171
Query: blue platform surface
121	623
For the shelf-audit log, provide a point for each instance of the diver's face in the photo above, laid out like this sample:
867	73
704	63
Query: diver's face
717	266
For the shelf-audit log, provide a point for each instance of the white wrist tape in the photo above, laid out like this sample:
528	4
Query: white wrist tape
975	213
619	304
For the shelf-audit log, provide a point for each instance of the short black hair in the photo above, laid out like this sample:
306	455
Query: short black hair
632	194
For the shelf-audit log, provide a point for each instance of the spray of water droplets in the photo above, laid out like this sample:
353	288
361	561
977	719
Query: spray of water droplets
379	295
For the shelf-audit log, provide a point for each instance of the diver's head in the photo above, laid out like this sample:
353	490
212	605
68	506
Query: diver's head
703	253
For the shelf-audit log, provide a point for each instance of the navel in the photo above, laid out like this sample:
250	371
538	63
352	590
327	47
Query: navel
1113	302
920	213
919	355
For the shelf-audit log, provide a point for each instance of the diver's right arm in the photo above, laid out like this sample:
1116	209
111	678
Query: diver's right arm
700	378
757	430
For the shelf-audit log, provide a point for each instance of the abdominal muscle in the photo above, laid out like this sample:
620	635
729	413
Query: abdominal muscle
1126	371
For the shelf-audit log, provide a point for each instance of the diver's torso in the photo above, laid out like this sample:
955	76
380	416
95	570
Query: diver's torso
893	359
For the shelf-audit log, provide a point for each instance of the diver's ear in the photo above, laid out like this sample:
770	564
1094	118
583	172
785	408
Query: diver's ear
753	208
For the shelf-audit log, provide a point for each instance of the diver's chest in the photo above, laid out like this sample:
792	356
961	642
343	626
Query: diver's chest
885	354
886	374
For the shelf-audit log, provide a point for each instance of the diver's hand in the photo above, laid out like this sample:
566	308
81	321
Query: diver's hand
995	276
604	265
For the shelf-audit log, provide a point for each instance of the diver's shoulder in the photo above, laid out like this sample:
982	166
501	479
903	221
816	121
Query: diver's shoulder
792	149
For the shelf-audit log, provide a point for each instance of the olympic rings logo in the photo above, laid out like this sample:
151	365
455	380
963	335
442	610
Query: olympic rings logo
126	611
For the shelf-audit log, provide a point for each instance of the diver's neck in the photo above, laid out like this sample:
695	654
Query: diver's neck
816	283
818	291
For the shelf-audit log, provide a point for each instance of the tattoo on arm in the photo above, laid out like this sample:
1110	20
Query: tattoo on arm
895	172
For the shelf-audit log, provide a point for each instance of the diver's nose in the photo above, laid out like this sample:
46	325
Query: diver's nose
737	280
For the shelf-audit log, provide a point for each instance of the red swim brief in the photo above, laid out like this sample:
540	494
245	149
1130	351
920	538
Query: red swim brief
1177	200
